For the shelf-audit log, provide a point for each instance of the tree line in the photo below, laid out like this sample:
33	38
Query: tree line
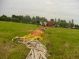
36	20
64	24
23	19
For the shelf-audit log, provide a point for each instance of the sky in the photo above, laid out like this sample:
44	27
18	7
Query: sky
64	9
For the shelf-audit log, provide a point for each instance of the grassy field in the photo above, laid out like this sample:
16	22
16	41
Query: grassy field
61	43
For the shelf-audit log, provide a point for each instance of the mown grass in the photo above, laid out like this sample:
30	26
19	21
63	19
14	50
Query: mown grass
8	30
61	43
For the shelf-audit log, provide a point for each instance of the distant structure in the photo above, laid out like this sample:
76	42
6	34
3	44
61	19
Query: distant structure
43	23
50	24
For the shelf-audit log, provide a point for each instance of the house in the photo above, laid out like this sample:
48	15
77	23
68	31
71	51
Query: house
50	23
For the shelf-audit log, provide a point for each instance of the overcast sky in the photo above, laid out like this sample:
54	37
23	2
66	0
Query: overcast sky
64	9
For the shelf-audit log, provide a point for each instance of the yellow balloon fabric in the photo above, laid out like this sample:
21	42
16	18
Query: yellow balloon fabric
32	37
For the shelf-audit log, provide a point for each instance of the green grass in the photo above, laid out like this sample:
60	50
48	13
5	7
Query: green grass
61	43
8	30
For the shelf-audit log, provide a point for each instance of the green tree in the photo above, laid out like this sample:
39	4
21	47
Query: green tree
63	24
27	19
3	18
71	24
